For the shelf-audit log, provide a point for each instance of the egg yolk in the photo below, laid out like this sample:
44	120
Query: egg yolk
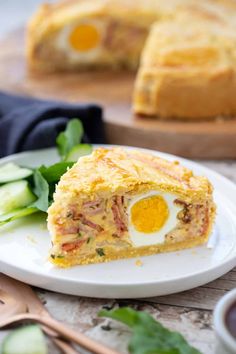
149	214
84	38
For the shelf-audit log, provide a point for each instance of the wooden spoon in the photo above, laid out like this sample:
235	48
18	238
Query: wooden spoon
24	294
76	337
9	306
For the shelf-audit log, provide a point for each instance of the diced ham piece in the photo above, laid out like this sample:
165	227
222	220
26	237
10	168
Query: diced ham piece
70	246
115	38
84	228
73	229
94	207
90	223
92	203
118	214
206	222
95	211
181	202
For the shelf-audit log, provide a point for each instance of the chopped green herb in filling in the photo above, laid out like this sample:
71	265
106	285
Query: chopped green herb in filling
100	252
53	256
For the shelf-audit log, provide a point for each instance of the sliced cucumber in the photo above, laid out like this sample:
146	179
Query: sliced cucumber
15	195
25	340
78	151
12	172
17	214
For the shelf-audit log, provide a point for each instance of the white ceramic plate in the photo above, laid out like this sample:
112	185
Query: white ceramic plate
24	246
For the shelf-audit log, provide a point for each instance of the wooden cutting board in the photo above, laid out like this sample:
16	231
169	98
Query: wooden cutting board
113	90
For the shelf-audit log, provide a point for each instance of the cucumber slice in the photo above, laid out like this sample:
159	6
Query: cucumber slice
12	172
25	340
78	151
15	195
17	214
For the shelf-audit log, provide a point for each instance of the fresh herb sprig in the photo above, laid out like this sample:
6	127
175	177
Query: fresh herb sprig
71	137
149	336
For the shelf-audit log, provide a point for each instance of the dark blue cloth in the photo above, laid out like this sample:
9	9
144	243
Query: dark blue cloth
30	124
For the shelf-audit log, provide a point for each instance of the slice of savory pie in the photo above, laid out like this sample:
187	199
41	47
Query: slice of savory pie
117	204
74	34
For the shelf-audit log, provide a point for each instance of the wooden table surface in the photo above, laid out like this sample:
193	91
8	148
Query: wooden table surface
189	312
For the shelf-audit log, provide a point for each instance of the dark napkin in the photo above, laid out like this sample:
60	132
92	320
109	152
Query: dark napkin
30	124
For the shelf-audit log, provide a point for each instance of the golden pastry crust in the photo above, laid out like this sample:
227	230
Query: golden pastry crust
90	206
120	19
112	255
134	19
114	170
187	71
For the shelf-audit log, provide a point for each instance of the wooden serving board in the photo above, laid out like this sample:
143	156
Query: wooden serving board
113	90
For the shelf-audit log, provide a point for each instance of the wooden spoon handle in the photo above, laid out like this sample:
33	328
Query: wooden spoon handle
67	333
66	348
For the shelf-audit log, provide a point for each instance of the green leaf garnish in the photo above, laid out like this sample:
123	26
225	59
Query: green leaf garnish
100	252
149	336
70	137
53	173
41	189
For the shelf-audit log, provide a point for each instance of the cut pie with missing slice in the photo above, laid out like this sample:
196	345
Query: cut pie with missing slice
77	34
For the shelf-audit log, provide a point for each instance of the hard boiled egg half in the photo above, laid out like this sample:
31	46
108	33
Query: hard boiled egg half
151	216
82	41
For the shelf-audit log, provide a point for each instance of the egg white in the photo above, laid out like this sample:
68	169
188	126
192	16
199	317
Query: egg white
140	239
62	42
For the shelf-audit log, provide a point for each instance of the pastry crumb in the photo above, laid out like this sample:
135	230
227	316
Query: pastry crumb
31	239
138	263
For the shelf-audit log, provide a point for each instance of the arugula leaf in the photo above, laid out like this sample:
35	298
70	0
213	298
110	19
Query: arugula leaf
17	214
53	173
149	336
70	137
41	189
